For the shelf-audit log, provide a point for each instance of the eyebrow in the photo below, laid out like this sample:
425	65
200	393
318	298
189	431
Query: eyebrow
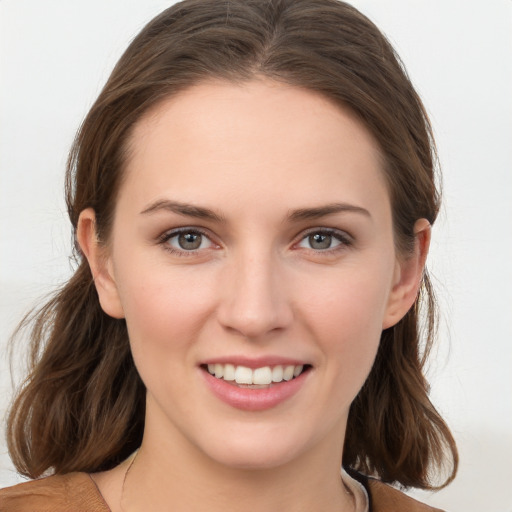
300	214
329	209
183	209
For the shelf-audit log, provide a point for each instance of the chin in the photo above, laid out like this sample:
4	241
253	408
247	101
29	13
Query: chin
254	460
256	450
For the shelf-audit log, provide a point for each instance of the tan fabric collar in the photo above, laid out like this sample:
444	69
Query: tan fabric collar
77	491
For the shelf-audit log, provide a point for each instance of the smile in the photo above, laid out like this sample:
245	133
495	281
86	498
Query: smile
255	386
263	376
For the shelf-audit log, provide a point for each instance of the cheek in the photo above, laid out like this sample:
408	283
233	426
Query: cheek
346	317
350	302
164	311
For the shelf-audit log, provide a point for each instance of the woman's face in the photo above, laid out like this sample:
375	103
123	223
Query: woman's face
252	239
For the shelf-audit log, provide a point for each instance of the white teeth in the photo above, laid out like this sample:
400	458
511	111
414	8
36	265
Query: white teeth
219	371
277	373
243	375
229	372
263	376
288	372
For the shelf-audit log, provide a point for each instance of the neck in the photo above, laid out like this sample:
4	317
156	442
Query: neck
156	481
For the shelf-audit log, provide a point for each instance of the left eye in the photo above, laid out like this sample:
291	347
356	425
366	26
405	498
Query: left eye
320	241
189	241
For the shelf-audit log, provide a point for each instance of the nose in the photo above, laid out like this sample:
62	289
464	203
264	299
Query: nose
254	297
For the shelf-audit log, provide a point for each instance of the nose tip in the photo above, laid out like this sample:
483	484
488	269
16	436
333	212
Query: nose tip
255	303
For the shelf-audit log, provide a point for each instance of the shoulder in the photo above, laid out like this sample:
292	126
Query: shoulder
385	498
58	493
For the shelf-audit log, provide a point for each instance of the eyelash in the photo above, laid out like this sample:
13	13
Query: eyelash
343	238
164	239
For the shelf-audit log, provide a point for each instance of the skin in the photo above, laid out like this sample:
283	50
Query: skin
253	154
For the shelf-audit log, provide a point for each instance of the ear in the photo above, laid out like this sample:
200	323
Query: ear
100	264
408	276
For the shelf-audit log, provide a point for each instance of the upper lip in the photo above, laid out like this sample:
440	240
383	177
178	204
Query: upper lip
255	362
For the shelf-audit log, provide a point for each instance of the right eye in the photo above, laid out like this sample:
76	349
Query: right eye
185	241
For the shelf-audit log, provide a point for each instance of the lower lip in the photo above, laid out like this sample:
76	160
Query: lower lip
249	399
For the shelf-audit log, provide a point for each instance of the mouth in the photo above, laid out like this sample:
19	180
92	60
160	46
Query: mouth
254	385
263	377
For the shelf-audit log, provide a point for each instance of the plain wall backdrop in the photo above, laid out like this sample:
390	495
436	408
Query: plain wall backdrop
54	58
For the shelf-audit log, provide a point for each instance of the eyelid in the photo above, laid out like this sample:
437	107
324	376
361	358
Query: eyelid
345	239
171	233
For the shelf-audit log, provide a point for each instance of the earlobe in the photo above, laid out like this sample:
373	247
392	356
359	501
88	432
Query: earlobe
99	263
408	276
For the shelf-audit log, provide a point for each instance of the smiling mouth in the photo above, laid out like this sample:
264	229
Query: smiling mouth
255	378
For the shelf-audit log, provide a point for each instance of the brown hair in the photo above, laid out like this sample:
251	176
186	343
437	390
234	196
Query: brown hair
82	406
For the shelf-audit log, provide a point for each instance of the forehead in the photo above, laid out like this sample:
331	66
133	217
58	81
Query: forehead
216	140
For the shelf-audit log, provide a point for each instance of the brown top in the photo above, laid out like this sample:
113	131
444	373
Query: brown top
387	499
76	492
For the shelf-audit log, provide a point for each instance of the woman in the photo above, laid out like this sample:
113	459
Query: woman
252	196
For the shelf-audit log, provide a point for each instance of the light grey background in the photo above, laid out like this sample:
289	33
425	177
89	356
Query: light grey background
55	56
